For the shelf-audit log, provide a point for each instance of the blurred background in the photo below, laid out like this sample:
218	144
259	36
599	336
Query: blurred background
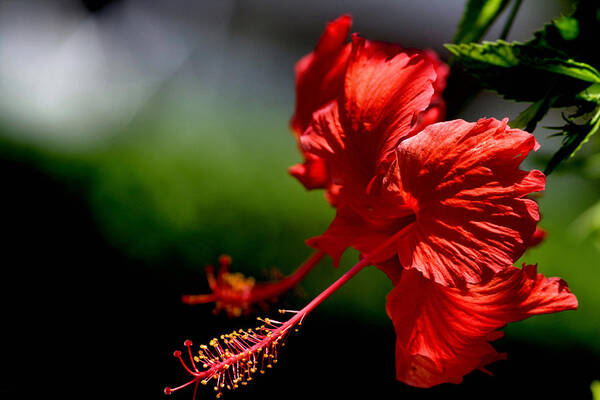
139	140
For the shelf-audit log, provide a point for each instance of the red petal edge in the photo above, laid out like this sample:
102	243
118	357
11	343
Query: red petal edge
443	333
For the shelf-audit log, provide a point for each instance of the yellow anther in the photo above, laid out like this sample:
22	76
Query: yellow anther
204	381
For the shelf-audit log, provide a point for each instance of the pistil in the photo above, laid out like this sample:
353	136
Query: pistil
239	355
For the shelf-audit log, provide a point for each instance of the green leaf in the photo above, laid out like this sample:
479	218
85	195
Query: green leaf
575	137
478	17
572	35
523	72
570	68
591	94
568	27
529	118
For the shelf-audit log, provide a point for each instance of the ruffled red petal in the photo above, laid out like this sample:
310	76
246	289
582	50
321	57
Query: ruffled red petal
320	74
464	184
322	77
436	112
384	91
443	333
319	80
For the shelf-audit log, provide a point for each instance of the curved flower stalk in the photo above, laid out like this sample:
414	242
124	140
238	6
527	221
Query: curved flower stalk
236	294
240	354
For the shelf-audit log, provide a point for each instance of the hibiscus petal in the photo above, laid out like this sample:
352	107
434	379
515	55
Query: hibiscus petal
384	91
319	80
443	333
320	74
464	184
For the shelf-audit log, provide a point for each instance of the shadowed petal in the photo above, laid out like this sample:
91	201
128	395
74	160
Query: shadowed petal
319	80
443	333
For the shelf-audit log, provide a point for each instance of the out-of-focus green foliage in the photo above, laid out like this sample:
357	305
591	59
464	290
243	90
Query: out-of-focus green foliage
595	388
556	68
477	19
588	224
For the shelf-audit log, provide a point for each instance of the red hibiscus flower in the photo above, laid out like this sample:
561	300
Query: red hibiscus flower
455	198
322	77
441	208
443	333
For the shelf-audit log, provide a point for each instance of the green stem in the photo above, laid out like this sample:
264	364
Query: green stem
510	20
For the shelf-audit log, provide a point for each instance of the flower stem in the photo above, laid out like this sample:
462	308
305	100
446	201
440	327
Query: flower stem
510	20
255	293
269	290
365	261
243	349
